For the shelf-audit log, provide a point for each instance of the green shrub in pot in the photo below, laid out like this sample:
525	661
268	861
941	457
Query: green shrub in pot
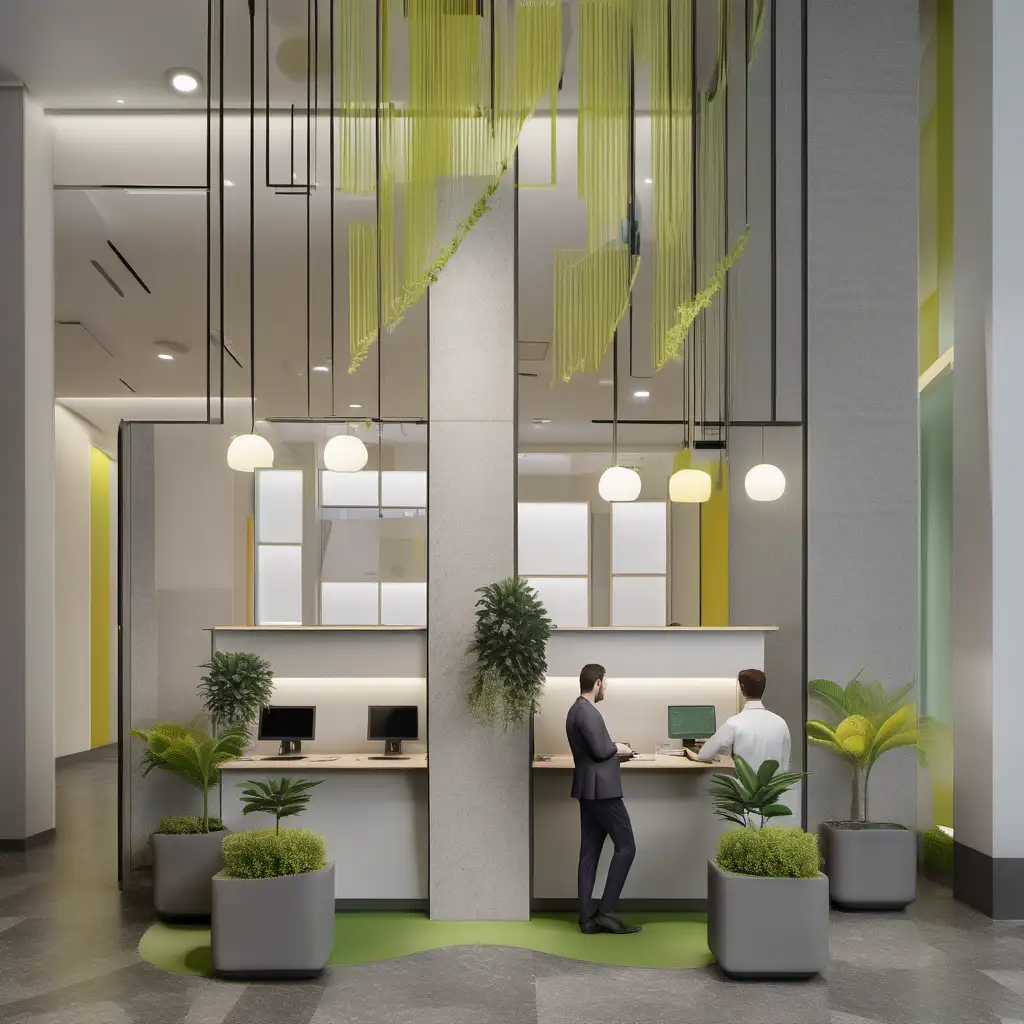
236	686
266	853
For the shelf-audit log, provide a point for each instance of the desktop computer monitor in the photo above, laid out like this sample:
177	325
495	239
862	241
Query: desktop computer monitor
392	724
691	722
290	724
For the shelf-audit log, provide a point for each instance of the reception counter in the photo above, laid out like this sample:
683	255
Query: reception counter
668	797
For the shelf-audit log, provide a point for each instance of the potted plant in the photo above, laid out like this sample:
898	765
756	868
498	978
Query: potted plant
273	903
236	686
870	865
767	897
510	647
187	848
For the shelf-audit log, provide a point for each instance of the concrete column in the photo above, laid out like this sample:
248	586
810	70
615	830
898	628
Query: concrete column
26	498
862	433
988	467
479	778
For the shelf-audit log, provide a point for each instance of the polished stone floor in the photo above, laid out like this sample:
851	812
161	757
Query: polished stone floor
68	956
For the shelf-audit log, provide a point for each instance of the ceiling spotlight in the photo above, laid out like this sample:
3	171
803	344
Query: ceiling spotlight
228	183
355	407
165	355
321	369
169	350
641	394
183	80
648	181
119	101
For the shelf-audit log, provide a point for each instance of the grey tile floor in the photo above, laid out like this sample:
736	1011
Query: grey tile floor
68	955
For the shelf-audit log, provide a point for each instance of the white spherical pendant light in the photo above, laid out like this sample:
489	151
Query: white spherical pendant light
619	484
689	485
249	452
765	482
345	454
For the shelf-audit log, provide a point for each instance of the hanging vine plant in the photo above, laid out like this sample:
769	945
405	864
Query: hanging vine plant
510	647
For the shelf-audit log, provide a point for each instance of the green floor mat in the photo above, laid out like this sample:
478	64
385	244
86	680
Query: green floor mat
668	940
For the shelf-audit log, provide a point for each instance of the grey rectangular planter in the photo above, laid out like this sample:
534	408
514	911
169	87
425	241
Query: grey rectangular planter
870	866
183	869
273	927
767	927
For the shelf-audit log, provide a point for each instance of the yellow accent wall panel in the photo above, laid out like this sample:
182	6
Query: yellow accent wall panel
714	542
100	597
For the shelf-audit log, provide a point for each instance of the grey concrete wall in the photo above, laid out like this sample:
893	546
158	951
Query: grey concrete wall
27	502
479	778
862	82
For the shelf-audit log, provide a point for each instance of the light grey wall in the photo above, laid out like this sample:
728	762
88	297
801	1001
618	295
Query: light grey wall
862	80
27	502
479	778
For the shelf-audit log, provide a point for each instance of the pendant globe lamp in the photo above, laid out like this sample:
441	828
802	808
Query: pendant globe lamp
765	482
617	483
345	453
249	452
689	485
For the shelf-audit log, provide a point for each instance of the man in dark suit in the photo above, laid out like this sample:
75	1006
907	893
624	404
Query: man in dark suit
597	784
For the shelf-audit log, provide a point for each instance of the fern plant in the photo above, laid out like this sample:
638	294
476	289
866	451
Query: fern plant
283	798
510	647
751	798
875	720
236	686
190	753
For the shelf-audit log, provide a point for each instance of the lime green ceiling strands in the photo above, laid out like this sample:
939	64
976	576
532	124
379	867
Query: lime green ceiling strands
756	31
603	125
462	121
356	96
664	44
591	294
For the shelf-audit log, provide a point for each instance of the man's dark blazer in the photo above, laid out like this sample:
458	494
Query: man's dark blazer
597	775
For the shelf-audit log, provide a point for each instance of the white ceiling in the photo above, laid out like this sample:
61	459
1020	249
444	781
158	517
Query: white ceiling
79	56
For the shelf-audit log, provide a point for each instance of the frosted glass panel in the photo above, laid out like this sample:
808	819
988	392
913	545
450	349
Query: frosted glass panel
278	585
553	538
352	489
279	506
349	604
403	604
405	489
639	537
565	600
638	601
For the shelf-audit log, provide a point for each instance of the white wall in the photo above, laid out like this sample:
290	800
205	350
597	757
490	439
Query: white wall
73	680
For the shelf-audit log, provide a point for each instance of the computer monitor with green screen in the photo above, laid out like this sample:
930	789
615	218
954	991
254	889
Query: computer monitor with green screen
691	721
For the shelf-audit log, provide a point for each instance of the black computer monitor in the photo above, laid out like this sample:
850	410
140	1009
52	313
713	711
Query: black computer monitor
290	724
392	724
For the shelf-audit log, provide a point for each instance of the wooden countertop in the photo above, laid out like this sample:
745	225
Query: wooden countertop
328	763
661	762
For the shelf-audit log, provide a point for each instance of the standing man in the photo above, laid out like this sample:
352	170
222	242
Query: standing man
597	784
756	734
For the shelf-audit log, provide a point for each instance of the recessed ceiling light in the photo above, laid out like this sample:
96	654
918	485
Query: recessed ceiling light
321	369
641	394
355	407
169	350
164	355
184	80
540	423
119	101
648	181
228	183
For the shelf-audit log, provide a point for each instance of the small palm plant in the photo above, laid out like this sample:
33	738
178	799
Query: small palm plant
236	686
876	720
510	647
283	798
189	752
751	798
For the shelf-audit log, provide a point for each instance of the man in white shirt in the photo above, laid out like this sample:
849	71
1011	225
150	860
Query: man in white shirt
756	734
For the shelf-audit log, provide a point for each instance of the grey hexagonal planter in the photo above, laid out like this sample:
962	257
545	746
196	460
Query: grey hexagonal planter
870	866
767	927
273	927
183	869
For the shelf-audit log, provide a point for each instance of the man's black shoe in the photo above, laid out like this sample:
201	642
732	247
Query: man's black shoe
607	923
589	927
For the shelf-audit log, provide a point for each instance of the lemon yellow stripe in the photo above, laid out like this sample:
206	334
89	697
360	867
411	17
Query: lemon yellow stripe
100	593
